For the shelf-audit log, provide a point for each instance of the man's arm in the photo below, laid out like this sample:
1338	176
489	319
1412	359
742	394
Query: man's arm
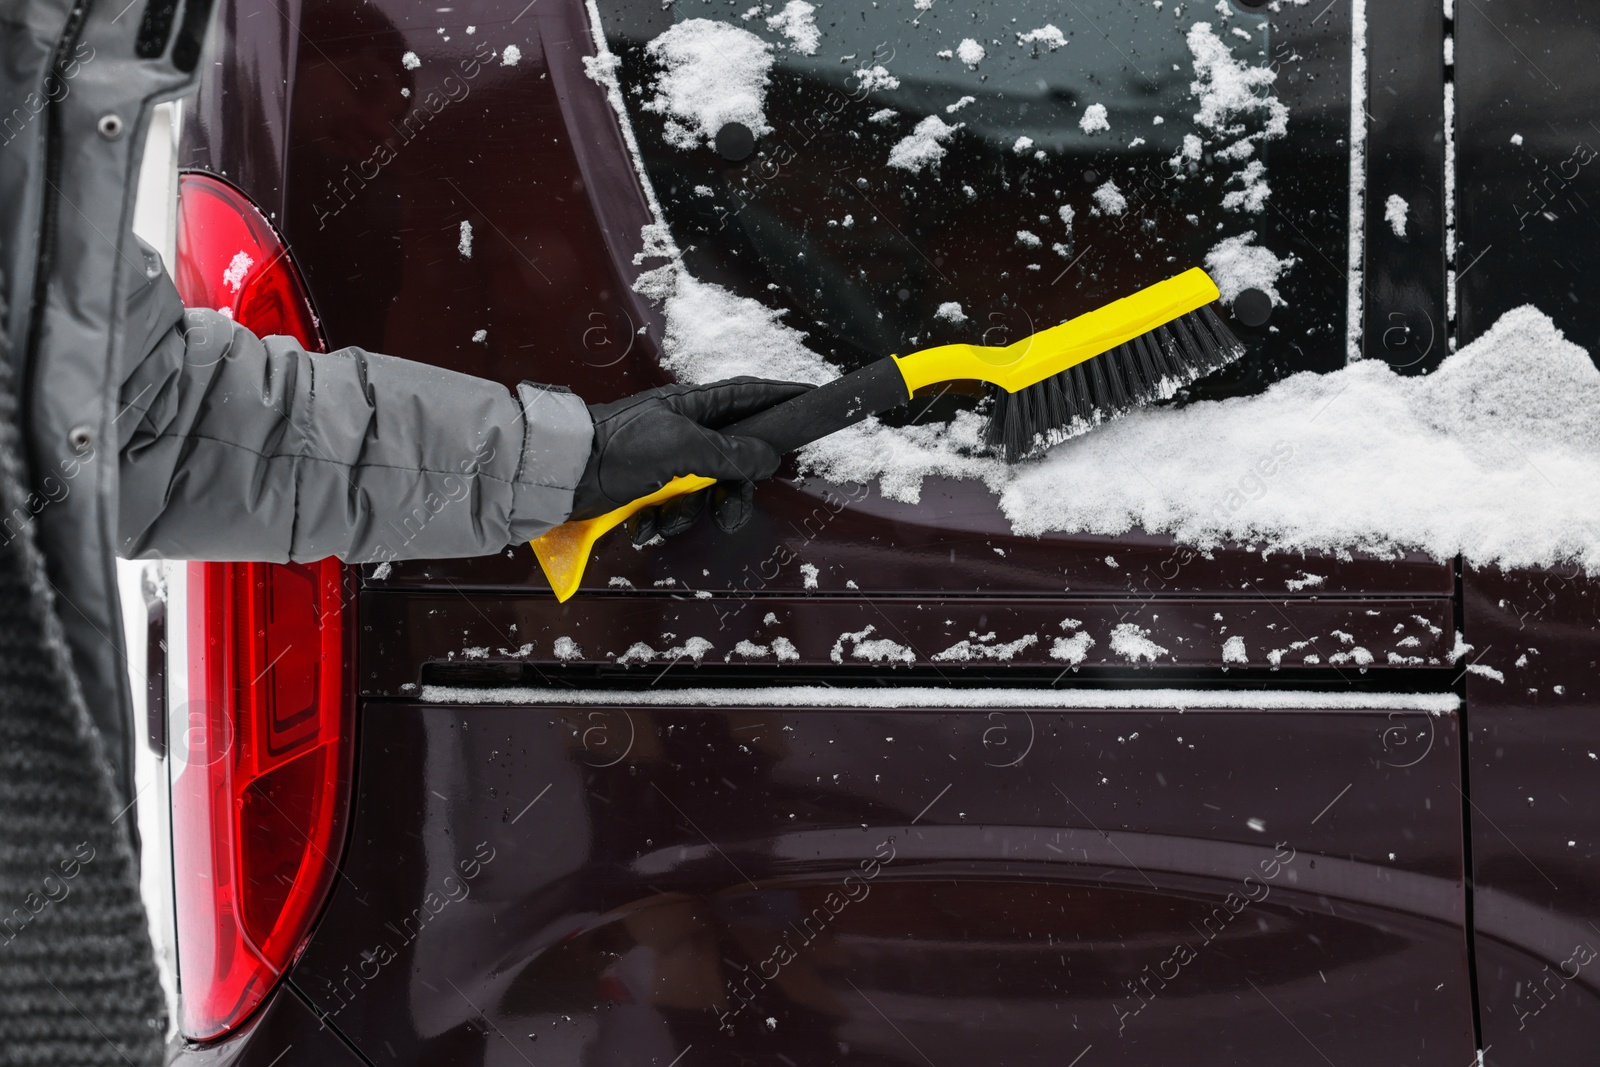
241	448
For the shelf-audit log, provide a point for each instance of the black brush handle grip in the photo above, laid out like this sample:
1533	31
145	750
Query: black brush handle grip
815	414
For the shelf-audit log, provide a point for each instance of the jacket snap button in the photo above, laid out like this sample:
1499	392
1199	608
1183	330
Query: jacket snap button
110	126
80	438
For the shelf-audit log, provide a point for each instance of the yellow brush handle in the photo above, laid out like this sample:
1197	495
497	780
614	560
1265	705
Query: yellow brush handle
1049	352
564	551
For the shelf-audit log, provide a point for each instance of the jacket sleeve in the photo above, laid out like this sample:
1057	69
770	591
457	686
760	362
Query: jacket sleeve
244	448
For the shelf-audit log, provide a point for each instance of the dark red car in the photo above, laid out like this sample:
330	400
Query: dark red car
847	787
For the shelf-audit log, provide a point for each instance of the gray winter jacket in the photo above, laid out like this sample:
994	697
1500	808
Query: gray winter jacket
233	447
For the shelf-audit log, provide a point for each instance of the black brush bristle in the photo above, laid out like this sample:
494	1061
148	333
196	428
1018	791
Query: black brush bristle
1148	368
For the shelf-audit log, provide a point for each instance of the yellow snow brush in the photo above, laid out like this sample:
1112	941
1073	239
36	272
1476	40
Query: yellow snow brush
1045	388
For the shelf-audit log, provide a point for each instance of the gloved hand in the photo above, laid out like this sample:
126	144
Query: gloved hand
644	441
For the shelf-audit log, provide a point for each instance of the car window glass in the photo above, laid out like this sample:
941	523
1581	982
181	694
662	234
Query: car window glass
972	172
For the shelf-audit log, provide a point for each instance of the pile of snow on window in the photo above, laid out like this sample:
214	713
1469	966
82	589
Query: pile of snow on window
711	74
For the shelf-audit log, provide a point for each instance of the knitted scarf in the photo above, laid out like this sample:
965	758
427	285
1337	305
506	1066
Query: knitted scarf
78	983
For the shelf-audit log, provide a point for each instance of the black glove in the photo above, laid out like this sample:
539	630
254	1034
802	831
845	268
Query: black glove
644	441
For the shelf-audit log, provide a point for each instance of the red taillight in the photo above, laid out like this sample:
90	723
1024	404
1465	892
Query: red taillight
259	809
260	804
231	259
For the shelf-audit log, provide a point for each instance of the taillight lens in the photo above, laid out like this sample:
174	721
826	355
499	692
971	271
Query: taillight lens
231	259
260	803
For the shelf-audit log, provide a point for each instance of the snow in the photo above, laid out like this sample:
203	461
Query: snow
877	650
1450	205
566	649
382	571
1516	138
1132	642
901	458
1110	200
712	74
1229	90
1028	238
1485	671
874	78
1253	197
1394	213
238	267
1067	215
922	146
883	115
464	241
480	337
1236	106
950	311
809	573
805	696
1305	581
1233	650
410	61
601	68
511	56
1047	35
1355	274
1022	144
657	243
978	648
1237	263
784	649
1073	650
1094	119
1495	456
713	334
695	648
970	52
798	23
959	104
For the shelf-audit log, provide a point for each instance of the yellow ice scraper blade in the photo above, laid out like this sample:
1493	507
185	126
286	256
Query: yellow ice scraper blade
564	551
1049	352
